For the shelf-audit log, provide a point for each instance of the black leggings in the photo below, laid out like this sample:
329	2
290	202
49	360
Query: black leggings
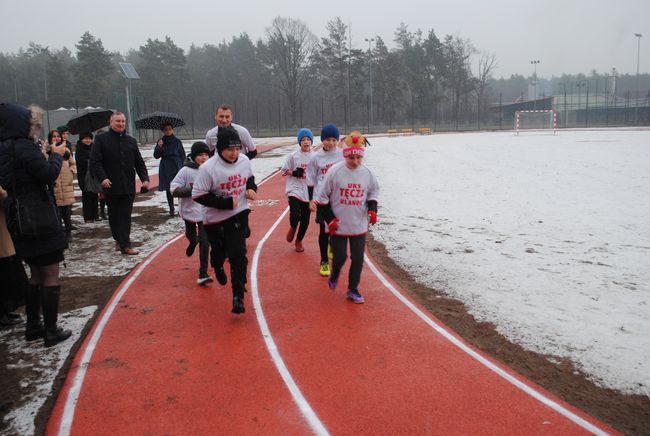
357	250
299	213
66	216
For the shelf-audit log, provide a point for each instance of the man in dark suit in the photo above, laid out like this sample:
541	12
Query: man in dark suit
114	159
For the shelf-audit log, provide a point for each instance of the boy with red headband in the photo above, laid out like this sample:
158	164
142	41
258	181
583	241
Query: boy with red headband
347	200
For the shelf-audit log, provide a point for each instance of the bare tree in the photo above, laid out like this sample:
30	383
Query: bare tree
486	65
292	47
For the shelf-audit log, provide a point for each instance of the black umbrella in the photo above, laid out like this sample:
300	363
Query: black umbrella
155	120
90	121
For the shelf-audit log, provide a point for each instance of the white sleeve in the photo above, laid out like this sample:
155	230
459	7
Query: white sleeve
202	183
246	139
312	171
211	139
288	163
373	189
178	182
324	189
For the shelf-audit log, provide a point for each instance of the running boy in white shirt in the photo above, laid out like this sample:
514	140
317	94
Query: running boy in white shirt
319	163
295	168
191	211
347	200
224	184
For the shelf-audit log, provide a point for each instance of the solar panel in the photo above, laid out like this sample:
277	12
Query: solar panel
129	71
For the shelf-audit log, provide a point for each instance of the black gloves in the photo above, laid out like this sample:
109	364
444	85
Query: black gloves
298	172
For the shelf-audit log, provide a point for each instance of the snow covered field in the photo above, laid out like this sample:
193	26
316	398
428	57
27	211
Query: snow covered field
547	237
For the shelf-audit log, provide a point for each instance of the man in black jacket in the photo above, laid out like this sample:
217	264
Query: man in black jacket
114	159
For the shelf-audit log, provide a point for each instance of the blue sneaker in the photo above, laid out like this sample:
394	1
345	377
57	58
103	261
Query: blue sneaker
332	283
355	296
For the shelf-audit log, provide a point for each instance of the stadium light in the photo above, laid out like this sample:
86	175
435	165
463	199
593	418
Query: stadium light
370	41
638	52
534	63
129	74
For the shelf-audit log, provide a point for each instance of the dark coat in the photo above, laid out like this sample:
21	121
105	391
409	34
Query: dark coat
24	171
172	156
115	156
82	156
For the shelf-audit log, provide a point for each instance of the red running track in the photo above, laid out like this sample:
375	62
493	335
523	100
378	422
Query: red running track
167	356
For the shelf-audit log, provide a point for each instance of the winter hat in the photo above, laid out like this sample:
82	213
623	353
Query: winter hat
329	131
85	135
305	133
354	144
227	137
197	148
62	128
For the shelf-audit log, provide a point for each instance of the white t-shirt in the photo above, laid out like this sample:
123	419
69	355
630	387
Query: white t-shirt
348	191
245	137
224	180
297	186
319	163
189	209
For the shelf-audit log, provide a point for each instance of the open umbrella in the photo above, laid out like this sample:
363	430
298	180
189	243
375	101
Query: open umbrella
155	120
90	121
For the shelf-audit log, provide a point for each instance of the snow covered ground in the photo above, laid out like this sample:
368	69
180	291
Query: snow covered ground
547	237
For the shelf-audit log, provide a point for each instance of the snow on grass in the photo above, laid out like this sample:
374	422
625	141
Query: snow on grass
42	364
547	237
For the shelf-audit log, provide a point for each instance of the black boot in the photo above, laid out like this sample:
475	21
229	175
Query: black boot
53	334
34	328
238	301
102	210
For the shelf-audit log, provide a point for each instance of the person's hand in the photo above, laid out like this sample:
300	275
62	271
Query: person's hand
106	183
59	149
298	172
372	217
160	141
333	226
312	205
235	203
251	194
145	184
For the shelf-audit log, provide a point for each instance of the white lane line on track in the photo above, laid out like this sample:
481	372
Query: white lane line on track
77	382
458	343
314	422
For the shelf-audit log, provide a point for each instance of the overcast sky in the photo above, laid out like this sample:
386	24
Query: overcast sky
569	36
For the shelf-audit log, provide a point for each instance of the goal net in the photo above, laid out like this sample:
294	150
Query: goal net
536	120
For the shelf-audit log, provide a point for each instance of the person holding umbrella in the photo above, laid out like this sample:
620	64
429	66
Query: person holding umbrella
169	149
115	159
89	199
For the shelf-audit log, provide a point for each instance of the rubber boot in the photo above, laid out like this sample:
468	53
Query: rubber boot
34	329
53	334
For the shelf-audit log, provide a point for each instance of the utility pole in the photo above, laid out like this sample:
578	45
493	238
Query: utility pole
370	41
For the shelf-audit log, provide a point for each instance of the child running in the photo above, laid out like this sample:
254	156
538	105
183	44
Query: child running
192	212
295	167
347	201
224	184
319	163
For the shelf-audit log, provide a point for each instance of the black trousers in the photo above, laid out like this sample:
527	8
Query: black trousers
339	250
66	216
119	217
228	240
299	213
89	202
194	232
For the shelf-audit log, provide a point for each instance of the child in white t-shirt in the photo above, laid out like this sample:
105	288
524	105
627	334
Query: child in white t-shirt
191	211
319	163
347	201
295	168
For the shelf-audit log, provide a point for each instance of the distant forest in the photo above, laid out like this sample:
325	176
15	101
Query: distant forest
290	78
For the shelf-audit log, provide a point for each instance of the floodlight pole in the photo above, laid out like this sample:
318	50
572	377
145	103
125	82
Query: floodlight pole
128	106
370	41
638	52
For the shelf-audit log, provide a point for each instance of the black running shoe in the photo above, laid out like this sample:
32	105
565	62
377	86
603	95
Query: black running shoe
189	251
238	305
222	278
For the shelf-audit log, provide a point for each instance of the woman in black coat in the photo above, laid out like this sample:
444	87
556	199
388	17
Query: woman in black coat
89	199
24	171
169	149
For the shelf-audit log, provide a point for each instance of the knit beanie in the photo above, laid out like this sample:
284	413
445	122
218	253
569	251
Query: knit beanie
85	135
227	137
329	131
197	148
305	133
